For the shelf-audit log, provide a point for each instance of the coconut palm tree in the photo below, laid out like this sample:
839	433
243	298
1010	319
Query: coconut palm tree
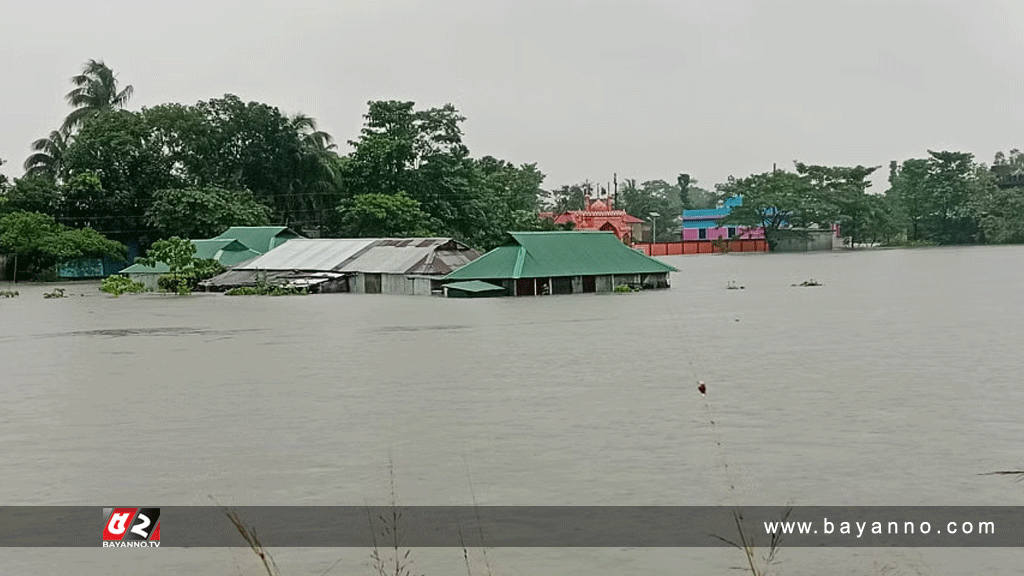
96	90
314	139
48	155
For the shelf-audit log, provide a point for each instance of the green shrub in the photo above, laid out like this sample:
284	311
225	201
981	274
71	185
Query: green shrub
265	290
625	288
116	285
187	280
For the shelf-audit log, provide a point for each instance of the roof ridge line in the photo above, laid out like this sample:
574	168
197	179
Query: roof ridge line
517	271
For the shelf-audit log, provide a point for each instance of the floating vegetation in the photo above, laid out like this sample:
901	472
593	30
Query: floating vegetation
733	286
57	293
8	293
811	282
622	288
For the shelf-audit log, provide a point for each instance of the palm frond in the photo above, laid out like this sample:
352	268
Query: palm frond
79	96
303	123
123	96
37	164
41	145
77	117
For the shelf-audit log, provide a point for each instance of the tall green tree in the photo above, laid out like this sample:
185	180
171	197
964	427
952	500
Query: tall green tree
908	192
683	183
113	168
383	215
845	187
998	205
34	194
567	197
420	153
653	196
204	212
778	201
950	184
97	90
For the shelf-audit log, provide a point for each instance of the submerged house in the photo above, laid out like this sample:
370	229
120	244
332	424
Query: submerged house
228	252
360	265
236	245
538	263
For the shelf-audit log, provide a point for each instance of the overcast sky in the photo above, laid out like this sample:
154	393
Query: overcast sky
644	88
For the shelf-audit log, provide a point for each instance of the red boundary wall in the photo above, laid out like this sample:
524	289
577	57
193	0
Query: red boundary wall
703	247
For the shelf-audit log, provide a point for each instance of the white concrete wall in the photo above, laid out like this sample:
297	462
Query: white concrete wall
817	240
604	284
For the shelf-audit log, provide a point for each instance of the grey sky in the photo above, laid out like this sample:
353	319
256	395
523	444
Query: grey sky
644	88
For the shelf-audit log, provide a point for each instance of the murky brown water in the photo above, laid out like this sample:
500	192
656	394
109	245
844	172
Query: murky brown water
895	383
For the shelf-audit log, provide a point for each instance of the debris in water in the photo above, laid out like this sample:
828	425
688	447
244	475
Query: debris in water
702	388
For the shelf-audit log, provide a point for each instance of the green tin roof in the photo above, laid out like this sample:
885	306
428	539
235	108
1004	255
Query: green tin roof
553	254
227	251
259	238
474	286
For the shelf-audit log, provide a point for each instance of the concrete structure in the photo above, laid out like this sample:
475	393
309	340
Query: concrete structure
541	263
600	214
812	240
703	224
411	266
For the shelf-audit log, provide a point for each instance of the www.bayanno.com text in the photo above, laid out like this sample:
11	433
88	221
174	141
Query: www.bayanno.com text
859	529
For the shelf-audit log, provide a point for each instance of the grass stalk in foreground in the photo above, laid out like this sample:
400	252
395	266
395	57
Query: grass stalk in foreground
746	543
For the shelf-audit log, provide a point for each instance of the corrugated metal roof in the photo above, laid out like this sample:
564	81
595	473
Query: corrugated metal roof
367	255
309	254
387	259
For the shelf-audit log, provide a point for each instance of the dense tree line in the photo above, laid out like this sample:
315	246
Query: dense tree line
945	198
192	170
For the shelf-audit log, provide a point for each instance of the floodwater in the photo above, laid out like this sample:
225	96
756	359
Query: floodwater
897	382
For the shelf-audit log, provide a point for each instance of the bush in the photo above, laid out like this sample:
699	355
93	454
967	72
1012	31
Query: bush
186	271
265	290
187	280
116	285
